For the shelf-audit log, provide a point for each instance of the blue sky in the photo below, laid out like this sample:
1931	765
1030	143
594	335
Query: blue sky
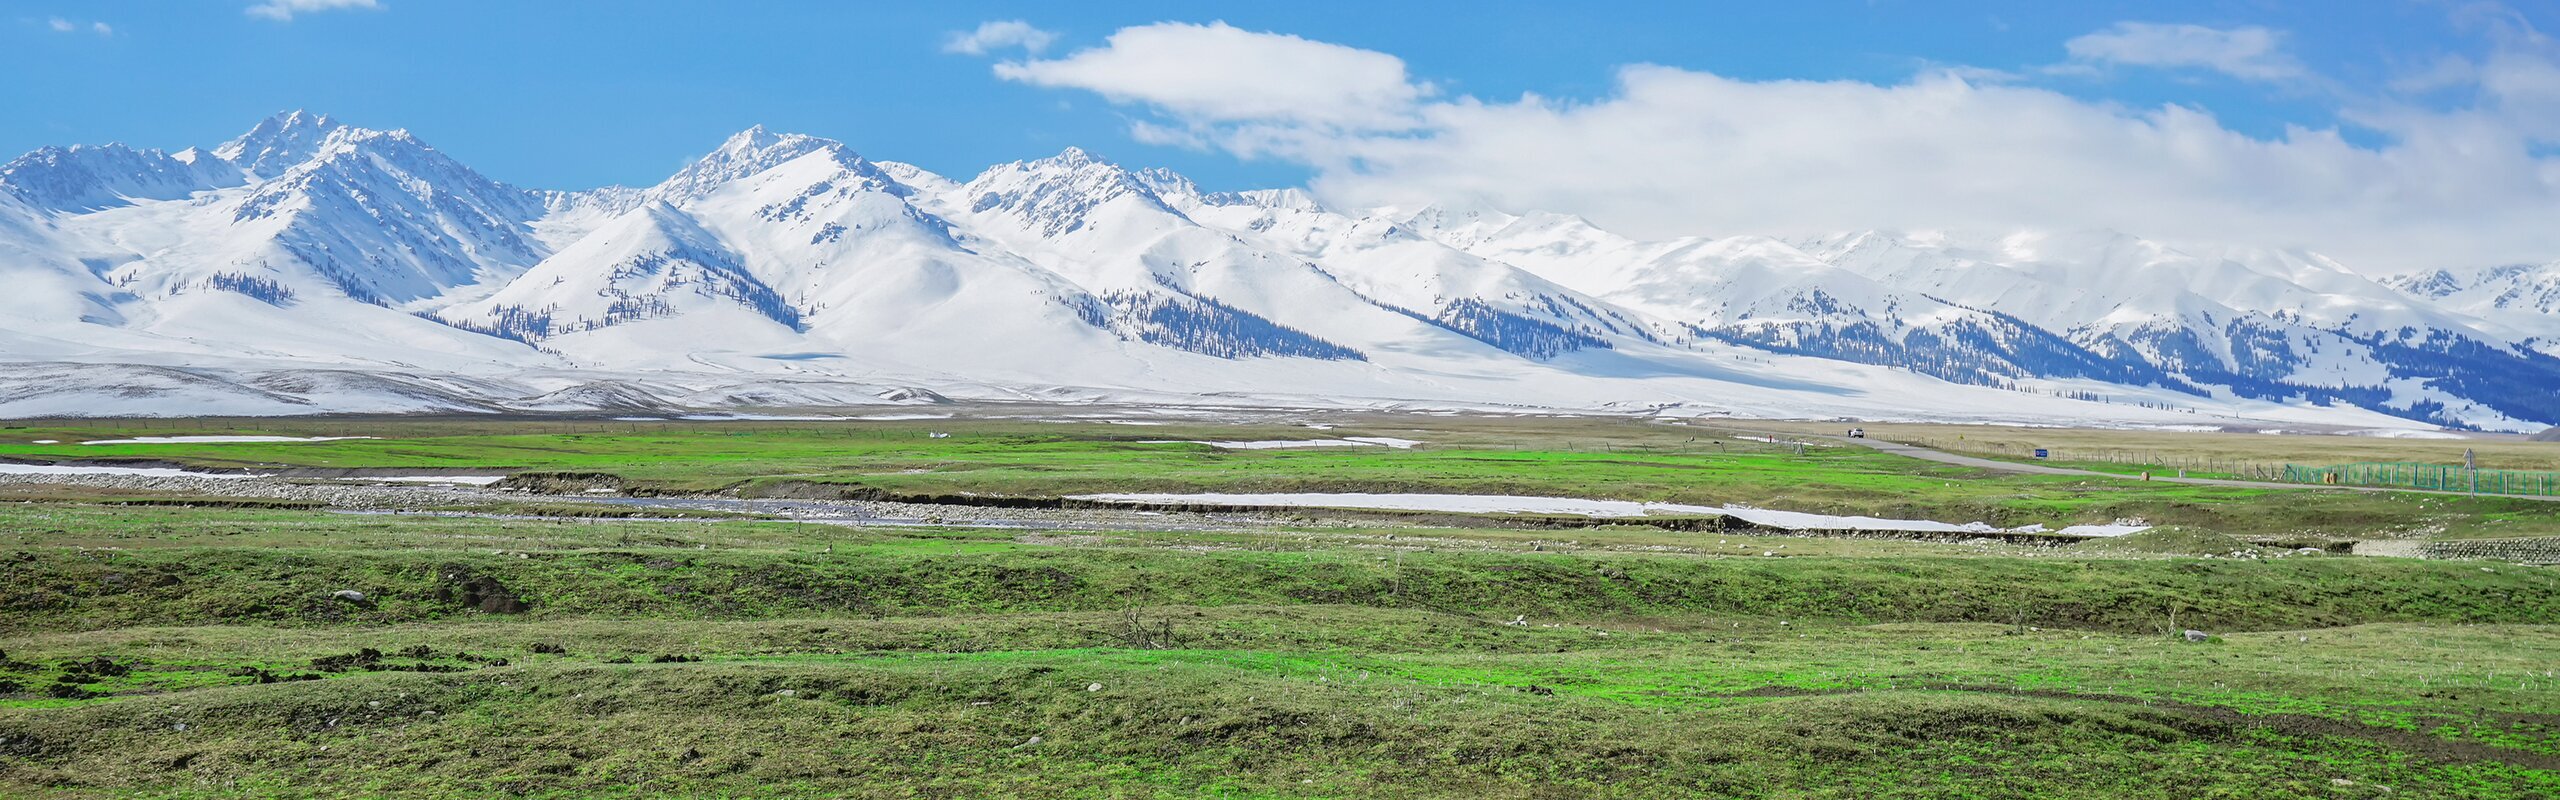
579	94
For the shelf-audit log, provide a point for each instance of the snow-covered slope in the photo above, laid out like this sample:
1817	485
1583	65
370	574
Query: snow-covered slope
2209	321
310	265
2517	300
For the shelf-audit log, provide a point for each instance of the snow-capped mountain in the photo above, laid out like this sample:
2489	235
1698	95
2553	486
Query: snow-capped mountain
310	265
2518	300
2254	323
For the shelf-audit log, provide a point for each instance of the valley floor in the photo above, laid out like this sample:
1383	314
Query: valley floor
648	610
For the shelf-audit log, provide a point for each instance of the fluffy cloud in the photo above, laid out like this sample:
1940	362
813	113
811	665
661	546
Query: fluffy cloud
1219	73
59	25
1672	151
998	35
2249	53
284	10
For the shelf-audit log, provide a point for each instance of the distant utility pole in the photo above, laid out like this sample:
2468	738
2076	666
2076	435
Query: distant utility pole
2471	464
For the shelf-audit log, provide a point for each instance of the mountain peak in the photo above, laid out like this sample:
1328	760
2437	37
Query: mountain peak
1075	156
743	154
1053	195
90	177
279	142
755	137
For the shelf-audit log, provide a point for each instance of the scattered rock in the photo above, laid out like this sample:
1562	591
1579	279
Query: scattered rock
2197	636
1095	687
349	595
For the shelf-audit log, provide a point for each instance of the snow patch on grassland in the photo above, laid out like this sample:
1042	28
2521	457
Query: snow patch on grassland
463	480
2406	433
1509	504
1291	444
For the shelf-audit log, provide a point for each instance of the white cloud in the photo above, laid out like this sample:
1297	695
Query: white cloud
60	25
2249	52
997	35
1222	73
1672	151
284	10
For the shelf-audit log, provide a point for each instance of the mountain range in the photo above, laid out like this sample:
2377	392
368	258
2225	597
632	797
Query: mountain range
312	266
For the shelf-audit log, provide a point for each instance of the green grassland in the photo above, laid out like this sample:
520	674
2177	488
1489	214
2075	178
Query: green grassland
1615	459
178	651
154	645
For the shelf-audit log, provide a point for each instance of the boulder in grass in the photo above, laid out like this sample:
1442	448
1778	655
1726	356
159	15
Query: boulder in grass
349	595
2197	636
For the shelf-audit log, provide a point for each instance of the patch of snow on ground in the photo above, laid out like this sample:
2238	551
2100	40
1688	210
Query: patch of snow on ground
2405	433
223	439
2102	530
467	480
758	418
1508	504
1291	444
901	417
1383	441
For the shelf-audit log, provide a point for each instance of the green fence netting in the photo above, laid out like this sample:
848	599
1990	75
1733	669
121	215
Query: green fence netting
2438	477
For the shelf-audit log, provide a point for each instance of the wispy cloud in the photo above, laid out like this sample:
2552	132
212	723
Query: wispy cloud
2248	53
284	10
60	25
997	35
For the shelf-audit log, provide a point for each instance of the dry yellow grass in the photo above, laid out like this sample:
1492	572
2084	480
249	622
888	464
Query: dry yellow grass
2193	450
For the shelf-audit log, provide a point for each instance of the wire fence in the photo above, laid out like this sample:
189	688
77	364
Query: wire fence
2438	477
2165	461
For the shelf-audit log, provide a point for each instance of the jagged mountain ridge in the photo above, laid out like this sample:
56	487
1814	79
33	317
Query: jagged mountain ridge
2522	300
2255	323
308	242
